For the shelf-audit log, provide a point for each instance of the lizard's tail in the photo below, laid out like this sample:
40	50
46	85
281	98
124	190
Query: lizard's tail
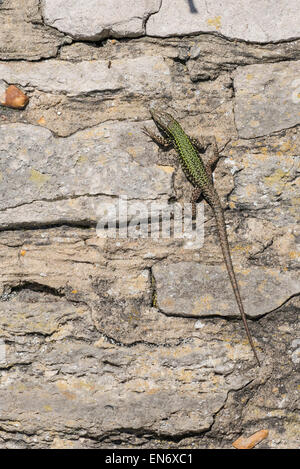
219	216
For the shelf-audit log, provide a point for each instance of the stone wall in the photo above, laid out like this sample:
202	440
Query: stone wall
137	342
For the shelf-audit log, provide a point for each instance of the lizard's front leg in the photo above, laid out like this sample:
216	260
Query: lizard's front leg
164	142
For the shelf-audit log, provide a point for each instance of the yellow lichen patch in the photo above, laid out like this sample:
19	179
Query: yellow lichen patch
234	198
203	304
214	22
241	248
38	178
48	408
22	252
277	179
294	255
288	147
249	76
82	159
82	384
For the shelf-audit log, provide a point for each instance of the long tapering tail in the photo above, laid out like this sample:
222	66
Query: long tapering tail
219	216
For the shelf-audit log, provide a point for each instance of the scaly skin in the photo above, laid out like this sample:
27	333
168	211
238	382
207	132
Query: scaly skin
200	175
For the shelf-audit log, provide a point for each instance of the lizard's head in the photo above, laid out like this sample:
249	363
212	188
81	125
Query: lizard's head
163	120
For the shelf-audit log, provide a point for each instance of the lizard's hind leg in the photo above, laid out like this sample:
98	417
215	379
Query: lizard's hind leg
199	143
215	155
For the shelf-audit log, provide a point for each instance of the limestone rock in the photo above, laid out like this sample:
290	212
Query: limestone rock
65	179
131	75
267	98
22	35
266	180
99	19
190	289
272	21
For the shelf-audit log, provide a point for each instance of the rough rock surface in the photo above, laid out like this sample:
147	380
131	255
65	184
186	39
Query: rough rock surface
64	179
99	19
110	338
262	90
185	288
23	34
255	21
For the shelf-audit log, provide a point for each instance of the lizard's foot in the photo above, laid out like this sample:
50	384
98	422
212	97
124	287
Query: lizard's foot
156	138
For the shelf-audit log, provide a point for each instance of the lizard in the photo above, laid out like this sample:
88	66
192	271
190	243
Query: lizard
199	174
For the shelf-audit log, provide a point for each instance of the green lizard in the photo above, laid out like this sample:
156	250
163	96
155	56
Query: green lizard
200	175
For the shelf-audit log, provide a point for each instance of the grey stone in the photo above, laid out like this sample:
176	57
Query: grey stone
80	381
46	179
70	380
255	21
22	35
39	315
212	55
132	75
99	19
266	180
266	98
66	96
190	289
